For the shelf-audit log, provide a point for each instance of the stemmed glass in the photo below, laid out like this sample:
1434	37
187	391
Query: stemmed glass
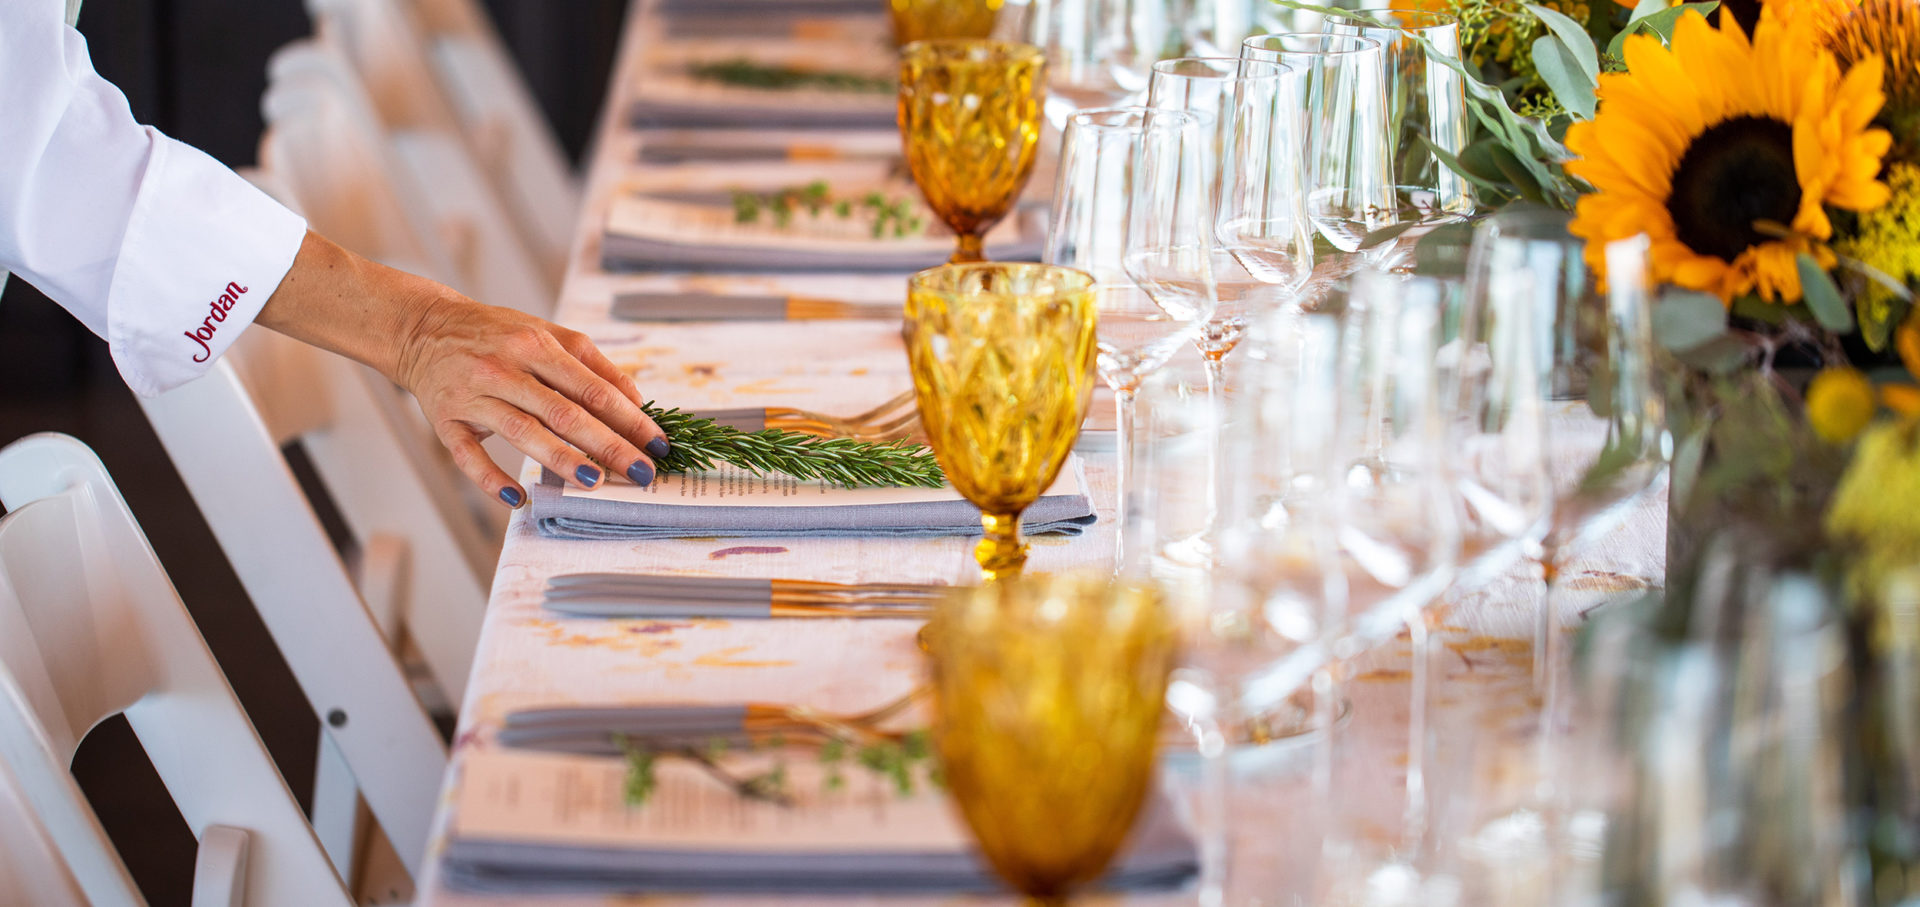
970	118
1104	154
1172	251
1098	51
1398	526
1047	699
1002	357
920	20
1426	110
1261	214
1348	162
1606	424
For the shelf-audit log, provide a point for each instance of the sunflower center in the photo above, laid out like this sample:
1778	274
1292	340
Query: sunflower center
1737	172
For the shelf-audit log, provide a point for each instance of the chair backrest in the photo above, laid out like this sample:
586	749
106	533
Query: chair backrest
458	223
32	871
439	63
91	627
327	149
224	432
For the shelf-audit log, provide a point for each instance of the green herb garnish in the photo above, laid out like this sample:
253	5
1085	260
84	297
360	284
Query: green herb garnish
698	443
749	74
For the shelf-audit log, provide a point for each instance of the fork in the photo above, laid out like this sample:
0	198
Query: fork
881	423
603	728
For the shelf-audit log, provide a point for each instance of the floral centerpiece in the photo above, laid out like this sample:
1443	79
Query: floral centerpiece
1770	150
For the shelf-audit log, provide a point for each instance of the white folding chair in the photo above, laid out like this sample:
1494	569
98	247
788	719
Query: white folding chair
91	627
32	871
439	63
341	638
324	136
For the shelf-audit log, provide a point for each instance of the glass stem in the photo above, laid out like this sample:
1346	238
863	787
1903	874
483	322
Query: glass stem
1414	824
1123	409
1000	553
1216	398
1547	645
1211	737
972	247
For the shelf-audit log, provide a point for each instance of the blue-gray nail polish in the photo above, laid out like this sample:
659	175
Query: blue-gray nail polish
641	472
658	448
511	496
587	475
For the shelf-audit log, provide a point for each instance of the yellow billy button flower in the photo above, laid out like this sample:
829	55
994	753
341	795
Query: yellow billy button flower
1840	403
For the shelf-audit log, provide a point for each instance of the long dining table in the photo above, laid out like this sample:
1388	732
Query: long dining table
530	657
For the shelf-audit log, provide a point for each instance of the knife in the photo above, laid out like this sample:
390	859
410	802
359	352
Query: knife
693	306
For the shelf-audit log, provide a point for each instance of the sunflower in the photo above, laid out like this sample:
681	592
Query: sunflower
1857	29
1726	152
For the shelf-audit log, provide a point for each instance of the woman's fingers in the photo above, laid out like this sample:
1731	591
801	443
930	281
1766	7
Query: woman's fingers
563	437
463	442
611	400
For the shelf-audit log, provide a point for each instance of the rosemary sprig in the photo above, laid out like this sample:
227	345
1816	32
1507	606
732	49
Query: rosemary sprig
891	216
895	760
749	74
698	443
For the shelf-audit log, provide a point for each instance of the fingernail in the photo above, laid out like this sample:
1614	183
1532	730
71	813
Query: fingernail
587	475
658	448
641	472
511	496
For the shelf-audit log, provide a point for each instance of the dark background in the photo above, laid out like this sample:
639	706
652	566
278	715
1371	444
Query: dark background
196	69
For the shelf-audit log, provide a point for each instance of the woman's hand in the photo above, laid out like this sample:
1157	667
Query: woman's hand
476	369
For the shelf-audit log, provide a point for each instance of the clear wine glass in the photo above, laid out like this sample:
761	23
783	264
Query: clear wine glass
1261	216
1100	158
1426	110
1398	528
1347	160
1098	51
1605	422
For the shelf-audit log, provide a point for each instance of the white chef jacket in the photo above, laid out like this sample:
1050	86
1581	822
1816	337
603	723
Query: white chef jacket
151	243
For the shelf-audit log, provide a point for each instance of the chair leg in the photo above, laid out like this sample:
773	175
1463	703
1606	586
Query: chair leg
220	868
339	816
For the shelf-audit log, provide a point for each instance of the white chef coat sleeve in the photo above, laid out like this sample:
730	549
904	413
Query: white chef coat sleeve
151	243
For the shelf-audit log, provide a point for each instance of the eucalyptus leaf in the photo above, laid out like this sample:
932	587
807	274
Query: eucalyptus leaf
1573	35
1386	234
1470	173
1722	355
1557	68
1685	319
1822	297
1752	306
1646	8
1660	21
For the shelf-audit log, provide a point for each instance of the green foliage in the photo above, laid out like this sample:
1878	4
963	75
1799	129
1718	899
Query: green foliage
1821	296
746	73
896	217
698	443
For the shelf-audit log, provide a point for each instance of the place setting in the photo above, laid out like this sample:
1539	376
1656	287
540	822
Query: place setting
1338	466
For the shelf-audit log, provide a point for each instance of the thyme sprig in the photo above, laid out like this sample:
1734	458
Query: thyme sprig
893	759
891	216
699	442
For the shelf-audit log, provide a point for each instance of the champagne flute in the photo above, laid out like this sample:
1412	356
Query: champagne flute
1098	51
922	20
1099	160
1047	699
1426	110
1347	162
970	117
1002	358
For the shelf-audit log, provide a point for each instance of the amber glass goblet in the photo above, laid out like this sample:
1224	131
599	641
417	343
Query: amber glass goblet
1002	360
970	119
923	20
1048	695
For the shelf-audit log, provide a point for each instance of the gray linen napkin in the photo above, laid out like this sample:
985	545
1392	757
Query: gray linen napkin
1160	856
574	517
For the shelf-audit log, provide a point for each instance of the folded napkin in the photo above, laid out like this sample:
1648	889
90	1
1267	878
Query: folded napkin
732	503
543	823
